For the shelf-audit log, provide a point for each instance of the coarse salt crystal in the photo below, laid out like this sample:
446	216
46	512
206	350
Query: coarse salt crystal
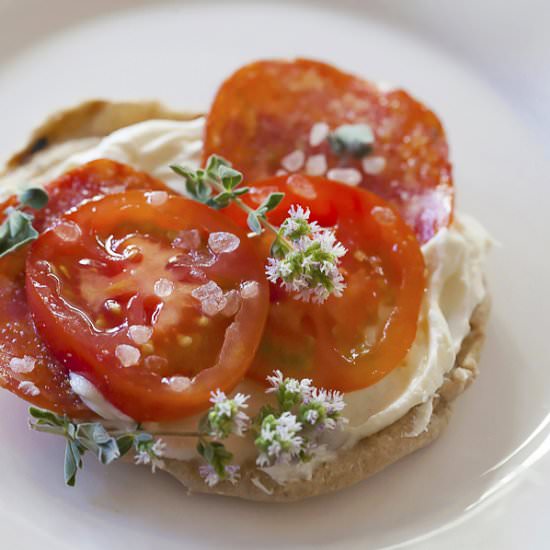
350	176
188	239
249	289
373	165
233	302
293	161
318	133
21	365
316	165
68	231
301	186
29	388
211	297
157	198
127	355
163	288
155	362
177	383
221	242
112	189
140	334
383	215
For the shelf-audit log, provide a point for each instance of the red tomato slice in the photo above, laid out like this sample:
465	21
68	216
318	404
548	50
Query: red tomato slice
27	368
268	109
141	293
96	178
350	342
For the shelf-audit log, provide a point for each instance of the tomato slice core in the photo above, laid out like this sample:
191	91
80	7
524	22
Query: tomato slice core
140	292
350	342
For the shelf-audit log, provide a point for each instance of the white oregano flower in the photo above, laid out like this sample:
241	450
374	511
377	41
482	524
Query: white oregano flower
279	441
211	477
306	258
150	452
288	433
227	416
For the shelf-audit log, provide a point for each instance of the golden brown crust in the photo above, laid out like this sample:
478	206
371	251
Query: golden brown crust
370	455
95	118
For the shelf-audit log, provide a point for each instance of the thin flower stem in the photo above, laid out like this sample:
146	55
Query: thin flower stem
163	434
243	206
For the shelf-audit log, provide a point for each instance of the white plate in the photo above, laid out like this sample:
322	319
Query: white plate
484	69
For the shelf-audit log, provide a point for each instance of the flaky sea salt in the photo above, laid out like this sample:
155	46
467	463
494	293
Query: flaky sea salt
127	355
316	165
293	161
211	297
383	215
140	334
163	288
373	165
22	364
233	302
250	289
29	388
68	231
349	176
177	383
301	186
188	239
221	242
157	198
318	133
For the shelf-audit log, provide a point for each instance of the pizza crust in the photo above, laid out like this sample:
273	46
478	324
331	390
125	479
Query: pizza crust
96	119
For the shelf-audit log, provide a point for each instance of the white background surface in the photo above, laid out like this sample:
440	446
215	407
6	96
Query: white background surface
484	68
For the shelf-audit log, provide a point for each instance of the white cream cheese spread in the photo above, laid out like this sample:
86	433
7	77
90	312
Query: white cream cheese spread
455	260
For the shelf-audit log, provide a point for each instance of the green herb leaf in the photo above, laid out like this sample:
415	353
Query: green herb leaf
270	203
221	200
94	437
16	231
46	418
214	163
35	197
229	176
352	139
73	461
241	191
254	223
125	443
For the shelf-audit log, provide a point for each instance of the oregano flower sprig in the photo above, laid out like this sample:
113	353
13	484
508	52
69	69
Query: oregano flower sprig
304	258
17	229
108	446
287	432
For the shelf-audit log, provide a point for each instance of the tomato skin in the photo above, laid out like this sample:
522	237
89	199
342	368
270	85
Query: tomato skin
18	338
383	268
67	321
93	179
266	110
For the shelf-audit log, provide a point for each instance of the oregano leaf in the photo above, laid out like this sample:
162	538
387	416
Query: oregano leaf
34	197
229	176
271	202
254	223
73	462
352	139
